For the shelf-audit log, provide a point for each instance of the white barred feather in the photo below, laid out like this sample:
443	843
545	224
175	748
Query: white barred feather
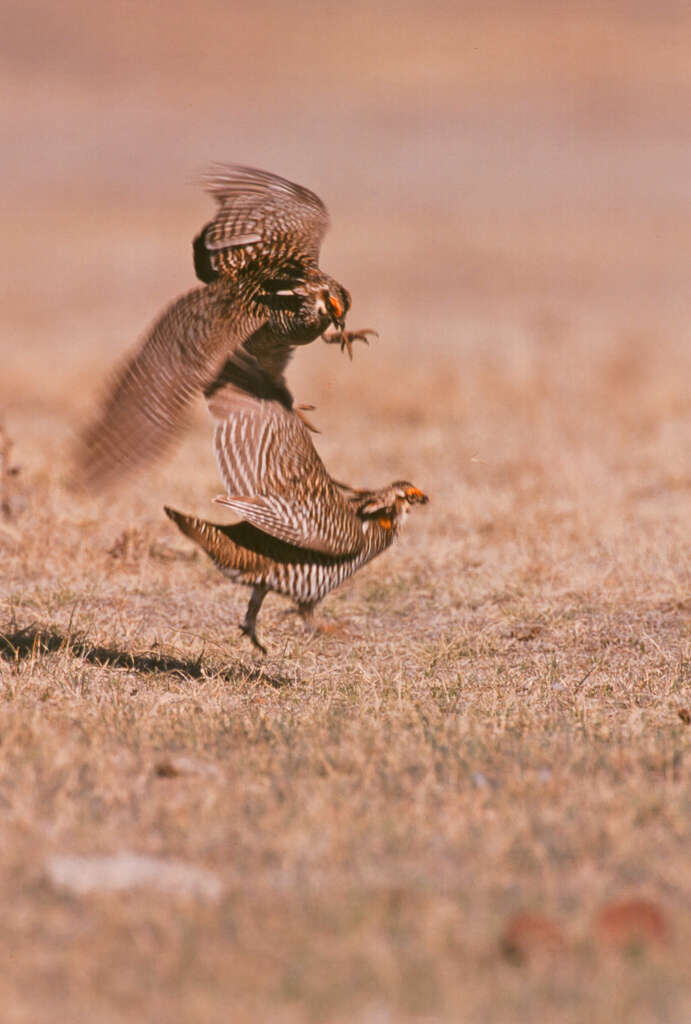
275	479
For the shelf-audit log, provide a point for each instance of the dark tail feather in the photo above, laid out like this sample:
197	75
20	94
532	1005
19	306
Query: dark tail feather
196	529
211	537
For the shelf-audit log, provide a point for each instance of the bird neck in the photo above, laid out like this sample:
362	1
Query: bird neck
380	532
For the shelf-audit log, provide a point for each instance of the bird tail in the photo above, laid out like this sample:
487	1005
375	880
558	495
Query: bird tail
211	537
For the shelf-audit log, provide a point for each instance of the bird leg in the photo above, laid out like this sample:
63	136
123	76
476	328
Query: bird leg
346	338
249	626
306	612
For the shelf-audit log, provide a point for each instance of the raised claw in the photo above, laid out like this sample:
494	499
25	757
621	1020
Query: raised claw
346	338
300	411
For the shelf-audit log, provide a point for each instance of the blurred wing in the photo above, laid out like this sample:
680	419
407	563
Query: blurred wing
148	400
275	479
261	217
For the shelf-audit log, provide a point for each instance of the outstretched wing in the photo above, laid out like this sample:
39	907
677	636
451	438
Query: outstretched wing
261	218
148	399
274	477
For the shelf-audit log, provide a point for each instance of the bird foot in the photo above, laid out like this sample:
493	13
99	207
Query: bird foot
346	338
300	411
250	632
326	628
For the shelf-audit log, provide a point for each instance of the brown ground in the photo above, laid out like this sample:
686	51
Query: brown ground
473	805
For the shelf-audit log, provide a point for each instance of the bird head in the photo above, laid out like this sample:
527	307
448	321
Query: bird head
331	301
310	296
390	506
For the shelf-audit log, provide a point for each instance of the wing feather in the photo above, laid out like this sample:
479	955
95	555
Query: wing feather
261	218
275	479
147	401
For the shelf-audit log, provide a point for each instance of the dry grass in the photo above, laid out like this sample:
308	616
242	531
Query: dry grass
498	730
475	803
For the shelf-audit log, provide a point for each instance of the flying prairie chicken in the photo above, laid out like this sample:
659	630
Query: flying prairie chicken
301	533
264	294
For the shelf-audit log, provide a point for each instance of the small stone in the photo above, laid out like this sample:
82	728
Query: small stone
173	766
166	769
632	923
528	934
124	871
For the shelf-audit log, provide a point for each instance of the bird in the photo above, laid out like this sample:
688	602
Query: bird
263	294
301	533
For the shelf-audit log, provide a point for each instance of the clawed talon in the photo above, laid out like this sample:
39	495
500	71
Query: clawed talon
346	338
249	631
300	411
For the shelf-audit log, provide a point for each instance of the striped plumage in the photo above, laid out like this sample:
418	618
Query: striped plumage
301	533
262	220
264	294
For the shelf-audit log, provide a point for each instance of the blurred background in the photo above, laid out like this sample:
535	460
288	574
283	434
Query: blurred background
492	170
510	192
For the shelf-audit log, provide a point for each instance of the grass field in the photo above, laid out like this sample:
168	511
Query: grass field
473	803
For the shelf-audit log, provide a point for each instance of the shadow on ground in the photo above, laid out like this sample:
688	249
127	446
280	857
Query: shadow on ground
35	641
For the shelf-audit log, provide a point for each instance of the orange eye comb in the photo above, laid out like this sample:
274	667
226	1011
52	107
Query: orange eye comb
413	494
336	307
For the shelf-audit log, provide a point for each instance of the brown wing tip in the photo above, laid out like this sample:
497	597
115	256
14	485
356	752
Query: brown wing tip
220	180
229	499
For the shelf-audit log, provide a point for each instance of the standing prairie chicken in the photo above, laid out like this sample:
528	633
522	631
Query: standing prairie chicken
301	533
264	294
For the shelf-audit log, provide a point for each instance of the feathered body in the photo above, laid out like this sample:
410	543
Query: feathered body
302	534
264	294
249	556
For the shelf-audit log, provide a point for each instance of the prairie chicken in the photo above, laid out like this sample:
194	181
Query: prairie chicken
264	294
302	533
